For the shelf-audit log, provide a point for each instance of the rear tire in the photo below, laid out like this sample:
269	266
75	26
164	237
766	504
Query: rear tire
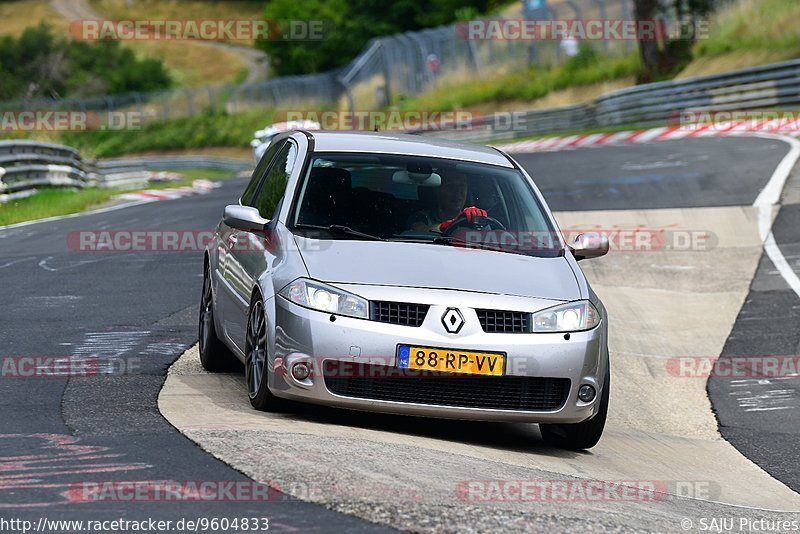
583	435
214	355
256	370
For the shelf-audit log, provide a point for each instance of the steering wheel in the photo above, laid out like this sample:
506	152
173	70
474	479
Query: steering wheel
478	223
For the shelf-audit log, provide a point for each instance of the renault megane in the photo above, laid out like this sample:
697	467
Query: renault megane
398	274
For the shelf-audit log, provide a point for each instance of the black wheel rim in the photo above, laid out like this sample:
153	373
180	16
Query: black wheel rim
256	348
206	314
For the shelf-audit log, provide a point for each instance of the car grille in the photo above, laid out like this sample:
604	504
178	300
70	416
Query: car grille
504	322
401	313
378	382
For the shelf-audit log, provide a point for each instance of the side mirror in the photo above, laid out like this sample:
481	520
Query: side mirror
244	218
588	246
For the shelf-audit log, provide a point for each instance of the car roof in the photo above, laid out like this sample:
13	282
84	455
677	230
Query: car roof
414	145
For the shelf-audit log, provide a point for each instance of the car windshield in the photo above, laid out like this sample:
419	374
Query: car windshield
408	198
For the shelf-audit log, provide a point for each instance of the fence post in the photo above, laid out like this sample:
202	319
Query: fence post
387	72
601	4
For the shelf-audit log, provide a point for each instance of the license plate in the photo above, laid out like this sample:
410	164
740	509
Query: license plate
451	360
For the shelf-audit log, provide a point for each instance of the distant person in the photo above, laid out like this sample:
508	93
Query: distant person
569	45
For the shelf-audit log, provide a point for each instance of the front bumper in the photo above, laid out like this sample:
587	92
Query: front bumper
303	335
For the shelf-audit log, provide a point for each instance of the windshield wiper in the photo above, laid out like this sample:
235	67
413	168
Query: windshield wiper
339	229
440	240
456	242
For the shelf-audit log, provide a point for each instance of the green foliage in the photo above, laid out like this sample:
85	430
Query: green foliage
586	68
352	23
754	25
41	64
49	202
206	129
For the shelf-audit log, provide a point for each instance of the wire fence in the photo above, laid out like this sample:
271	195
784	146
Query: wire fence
407	64
389	68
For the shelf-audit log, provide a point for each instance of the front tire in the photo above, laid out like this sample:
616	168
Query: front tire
256	370
584	435
214	355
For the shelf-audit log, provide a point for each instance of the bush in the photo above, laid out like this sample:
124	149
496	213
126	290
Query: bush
206	129
40	64
352	23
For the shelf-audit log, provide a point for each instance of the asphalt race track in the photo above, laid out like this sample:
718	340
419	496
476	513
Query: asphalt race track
133	314
136	312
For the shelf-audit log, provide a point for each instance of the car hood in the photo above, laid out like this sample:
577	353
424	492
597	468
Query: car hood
438	266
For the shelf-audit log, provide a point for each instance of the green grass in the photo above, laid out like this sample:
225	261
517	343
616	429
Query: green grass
754	25
193	174
51	202
748	32
203	130
586	68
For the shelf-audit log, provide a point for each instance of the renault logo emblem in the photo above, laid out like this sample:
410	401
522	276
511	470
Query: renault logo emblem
452	320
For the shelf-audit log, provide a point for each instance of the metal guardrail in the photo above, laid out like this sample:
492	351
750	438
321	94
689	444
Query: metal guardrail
29	164
179	162
26	165
772	86
767	86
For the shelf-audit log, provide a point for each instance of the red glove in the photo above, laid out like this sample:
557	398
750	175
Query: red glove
470	213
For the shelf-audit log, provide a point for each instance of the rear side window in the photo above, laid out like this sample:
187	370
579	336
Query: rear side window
274	184
261	168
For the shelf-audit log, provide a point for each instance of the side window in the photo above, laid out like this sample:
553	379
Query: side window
274	184
261	168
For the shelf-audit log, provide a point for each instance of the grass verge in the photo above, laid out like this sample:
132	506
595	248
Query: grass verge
51	202
203	130
746	34
19	15
180	10
587	68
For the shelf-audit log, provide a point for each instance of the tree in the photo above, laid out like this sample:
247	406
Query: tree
41	64
351	24
664	56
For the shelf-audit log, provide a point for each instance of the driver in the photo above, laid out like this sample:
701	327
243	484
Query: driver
450	199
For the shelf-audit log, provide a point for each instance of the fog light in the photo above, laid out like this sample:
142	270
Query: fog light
301	370
586	393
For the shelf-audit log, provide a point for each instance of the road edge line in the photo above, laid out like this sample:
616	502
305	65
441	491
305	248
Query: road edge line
770	197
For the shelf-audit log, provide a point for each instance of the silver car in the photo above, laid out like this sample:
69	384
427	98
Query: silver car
399	274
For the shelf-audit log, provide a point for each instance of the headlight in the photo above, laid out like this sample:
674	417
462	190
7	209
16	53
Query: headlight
324	298
570	317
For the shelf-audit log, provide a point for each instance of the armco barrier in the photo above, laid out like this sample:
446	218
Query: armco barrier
26	165
30	164
772	86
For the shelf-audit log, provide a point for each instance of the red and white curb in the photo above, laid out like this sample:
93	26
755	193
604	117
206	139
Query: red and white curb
198	187
663	133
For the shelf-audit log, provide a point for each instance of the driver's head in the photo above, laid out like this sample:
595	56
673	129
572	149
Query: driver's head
452	194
